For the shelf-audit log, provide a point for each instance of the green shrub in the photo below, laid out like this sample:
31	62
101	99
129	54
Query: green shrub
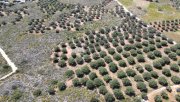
90	84
79	73
178	52
101	63
62	63
37	93
126	82
95	56
98	82
103	71
139	68
146	76
102	90
157	53
130	72
102	54
154	74
138	78
61	86
140	58
151	55
162	80
152	47
166	60
114	84
118	94
119	49
108	59
172	55
73	55
125	54
146	50
157	98
148	67
157	64
167	50
121	74
152	83
175	80
92	75
64	57
133	52
85	70
83	81
117	57
79	60
142	87
87	58
76	82
127	47
164	95
71	61
107	78
109	97
166	72
111	51
94	64
131	60
174	67
69	73
122	63
113	67
130	91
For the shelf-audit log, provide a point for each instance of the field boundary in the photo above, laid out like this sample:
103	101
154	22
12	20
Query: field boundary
9	62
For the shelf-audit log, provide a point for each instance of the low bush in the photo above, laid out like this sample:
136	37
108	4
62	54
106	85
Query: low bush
175	79
109	97
174	67
85	70
122	63
114	84
121	74
131	60
148	67
138	78
113	67
107	78
164	95
103	71
76	82
146	76
92	75
173	56
102	90
79	73
69	73
142	87
126	82
117	57
108	59
166	72
130	91
90	84
98	82
61	86
162	80
118	94
130	72
157	98
153	84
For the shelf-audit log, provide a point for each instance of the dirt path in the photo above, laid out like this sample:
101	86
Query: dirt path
9	62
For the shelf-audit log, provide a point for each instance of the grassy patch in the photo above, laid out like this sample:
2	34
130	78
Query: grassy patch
126	2
76	94
166	13
173	35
